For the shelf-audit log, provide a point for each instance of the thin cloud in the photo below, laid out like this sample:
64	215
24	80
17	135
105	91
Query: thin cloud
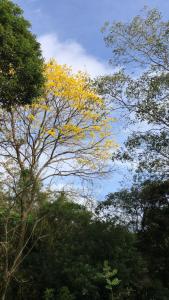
73	54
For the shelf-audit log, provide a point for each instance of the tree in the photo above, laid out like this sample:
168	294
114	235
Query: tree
153	236
64	294
73	253
130	207
65	133
21	65
49	294
111	280
17	230
125	207
141	88
145	209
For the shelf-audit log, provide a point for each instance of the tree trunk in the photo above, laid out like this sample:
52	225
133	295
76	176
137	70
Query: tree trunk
4	289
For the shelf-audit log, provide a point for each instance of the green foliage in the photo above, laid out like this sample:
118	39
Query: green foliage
141	89
146	209
142	42
141	47
21	62
64	294
109	275
49	294
73	251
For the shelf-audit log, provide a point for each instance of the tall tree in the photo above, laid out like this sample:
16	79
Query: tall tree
21	63
64	133
141	88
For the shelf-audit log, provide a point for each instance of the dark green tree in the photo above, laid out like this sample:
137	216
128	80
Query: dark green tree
145	209
21	63
154	236
124	207
72	255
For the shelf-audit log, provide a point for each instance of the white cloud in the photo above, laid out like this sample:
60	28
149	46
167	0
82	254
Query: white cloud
73	54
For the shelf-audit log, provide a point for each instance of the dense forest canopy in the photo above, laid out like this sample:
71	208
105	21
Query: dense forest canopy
21	64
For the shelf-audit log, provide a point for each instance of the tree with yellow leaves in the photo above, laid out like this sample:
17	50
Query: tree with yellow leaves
66	132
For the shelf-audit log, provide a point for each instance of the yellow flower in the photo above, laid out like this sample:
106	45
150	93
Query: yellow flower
51	132
31	117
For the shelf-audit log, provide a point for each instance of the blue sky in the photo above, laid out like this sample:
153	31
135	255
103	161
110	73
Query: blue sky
69	30
81	20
